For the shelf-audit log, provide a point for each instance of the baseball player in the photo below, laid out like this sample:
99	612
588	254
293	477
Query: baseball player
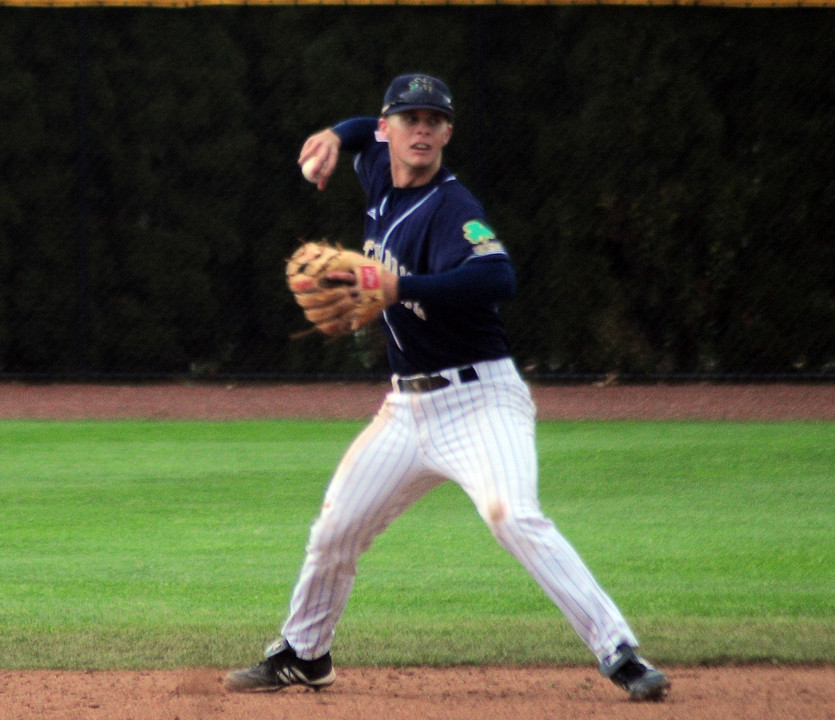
458	409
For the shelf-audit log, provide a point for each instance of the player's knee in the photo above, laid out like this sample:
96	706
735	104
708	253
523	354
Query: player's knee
501	520
497	512
511	526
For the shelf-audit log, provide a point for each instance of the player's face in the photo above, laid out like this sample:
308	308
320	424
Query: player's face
416	140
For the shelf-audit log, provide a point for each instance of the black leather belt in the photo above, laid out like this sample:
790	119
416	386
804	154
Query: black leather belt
435	381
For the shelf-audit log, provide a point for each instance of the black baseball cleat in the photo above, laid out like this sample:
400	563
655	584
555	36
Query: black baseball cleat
281	669
635	675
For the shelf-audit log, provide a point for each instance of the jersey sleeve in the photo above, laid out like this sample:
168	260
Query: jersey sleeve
485	280
466	233
466	263
355	133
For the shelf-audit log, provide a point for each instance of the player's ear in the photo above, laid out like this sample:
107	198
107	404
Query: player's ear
448	134
383	127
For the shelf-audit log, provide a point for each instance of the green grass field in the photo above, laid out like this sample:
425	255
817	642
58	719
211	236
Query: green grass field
169	544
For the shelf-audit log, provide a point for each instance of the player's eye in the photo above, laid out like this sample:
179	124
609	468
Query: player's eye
432	120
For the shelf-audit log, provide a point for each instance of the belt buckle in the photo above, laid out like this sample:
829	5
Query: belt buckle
435	381
422	383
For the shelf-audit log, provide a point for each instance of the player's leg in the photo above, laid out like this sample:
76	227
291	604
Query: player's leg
377	480
498	468
506	497
488	446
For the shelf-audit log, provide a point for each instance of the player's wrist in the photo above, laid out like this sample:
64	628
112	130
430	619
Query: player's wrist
391	288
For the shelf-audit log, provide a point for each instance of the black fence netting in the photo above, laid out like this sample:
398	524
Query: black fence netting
662	178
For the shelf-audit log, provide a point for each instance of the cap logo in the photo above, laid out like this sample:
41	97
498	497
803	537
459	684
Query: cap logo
417	91
421	83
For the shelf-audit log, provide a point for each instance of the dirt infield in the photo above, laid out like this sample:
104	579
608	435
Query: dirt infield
360	400
558	693
496	693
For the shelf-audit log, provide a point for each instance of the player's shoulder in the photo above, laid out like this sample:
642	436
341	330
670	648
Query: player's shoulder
457	198
462	210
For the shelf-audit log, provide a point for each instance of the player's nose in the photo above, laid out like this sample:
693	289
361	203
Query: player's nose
424	126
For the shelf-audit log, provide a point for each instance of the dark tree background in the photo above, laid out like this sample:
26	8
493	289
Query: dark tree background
663	179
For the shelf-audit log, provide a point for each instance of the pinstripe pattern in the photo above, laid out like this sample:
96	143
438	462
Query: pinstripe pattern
480	435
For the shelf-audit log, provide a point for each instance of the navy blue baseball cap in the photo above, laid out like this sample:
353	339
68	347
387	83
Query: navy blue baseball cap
415	92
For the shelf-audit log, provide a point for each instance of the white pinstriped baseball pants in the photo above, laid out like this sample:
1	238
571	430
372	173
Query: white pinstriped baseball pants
479	434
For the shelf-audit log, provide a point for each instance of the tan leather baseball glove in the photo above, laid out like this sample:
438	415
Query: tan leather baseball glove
339	290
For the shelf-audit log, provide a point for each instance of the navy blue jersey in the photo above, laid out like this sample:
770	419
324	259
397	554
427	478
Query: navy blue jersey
429	230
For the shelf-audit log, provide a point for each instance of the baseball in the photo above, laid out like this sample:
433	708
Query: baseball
307	170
